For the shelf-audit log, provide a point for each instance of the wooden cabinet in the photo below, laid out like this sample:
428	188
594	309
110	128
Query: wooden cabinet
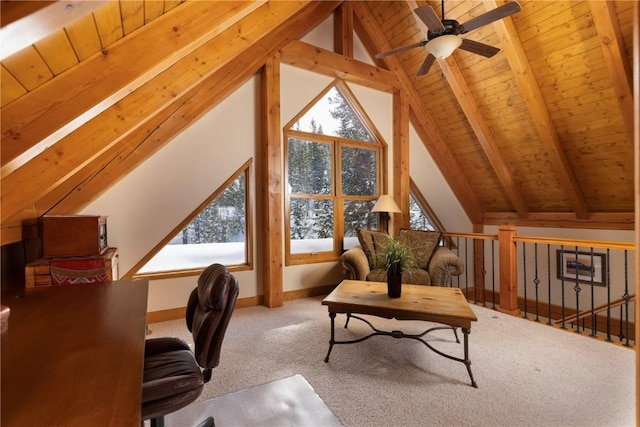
38	272
73	235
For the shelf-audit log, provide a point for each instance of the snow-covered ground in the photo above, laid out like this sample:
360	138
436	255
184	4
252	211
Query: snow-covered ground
184	257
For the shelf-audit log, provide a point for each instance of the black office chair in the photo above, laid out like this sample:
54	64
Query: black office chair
174	376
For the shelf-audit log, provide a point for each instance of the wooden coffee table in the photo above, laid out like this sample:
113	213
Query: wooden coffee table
446	306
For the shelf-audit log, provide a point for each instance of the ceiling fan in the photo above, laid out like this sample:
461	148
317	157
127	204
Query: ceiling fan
443	37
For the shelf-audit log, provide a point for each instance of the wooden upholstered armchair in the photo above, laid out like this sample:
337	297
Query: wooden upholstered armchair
437	264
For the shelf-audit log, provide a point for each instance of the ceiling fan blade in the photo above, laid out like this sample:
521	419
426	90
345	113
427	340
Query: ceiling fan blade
400	49
479	48
491	16
430	19
426	65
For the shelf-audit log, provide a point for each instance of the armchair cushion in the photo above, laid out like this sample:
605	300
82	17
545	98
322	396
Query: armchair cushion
369	241
422	242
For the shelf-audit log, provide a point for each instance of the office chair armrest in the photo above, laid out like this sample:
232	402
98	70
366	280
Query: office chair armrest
155	346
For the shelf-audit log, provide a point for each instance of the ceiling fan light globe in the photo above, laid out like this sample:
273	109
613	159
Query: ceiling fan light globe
443	46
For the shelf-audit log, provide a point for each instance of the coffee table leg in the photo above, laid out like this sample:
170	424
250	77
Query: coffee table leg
332	341
466	360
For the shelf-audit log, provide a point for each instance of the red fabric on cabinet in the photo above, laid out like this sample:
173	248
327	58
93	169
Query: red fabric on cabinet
73	271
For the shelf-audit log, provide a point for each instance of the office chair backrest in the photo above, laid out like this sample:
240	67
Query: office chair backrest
208	312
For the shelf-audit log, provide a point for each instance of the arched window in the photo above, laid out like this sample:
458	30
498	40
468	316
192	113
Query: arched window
333	176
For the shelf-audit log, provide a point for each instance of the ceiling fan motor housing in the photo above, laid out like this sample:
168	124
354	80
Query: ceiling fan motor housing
451	26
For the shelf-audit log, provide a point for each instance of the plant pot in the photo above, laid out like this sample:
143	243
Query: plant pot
394	285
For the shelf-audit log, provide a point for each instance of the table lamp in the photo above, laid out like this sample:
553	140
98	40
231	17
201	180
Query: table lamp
384	206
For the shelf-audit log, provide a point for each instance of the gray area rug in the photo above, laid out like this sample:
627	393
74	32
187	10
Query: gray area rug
287	402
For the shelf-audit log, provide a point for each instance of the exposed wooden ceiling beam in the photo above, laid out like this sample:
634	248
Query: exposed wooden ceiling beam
606	22
530	90
49	169
343	30
375	41
316	59
596	220
77	91
113	164
479	125
484	135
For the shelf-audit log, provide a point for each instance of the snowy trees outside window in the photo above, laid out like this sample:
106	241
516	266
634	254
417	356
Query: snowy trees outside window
333	176
217	232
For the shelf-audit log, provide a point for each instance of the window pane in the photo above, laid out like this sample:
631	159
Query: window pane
332	115
417	219
310	167
357	214
311	225
359	172
217	234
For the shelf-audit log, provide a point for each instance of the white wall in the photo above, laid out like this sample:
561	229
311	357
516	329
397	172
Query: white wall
428	178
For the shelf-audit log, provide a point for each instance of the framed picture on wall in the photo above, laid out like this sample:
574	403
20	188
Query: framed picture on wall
583	266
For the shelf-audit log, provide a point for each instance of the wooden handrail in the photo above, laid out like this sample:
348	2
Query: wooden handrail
577	242
478	236
598	309
551	241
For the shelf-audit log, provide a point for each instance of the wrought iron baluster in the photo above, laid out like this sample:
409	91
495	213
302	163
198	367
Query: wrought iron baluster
626	297
561	259
484	278
593	312
466	262
458	255
493	275
549	283
536	281
577	290
608	284
524	273
475	285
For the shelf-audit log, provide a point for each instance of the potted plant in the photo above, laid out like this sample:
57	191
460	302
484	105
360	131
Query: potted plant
397	258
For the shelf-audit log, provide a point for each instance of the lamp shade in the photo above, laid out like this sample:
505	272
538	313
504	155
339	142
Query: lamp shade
443	46
386	204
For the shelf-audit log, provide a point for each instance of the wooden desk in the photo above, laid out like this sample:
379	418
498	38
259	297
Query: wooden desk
74	355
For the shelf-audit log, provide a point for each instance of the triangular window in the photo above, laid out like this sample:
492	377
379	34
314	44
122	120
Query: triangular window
418	219
422	217
216	232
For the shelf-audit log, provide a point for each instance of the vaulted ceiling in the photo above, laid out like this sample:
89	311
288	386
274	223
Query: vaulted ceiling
540	134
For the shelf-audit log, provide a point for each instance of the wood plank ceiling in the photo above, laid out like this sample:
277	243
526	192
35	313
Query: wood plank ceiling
540	134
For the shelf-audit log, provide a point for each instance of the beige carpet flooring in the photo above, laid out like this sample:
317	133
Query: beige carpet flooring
528	374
